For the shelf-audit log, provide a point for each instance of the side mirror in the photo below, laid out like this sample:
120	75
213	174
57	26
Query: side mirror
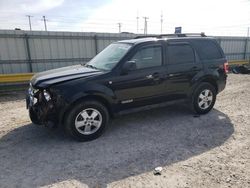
128	66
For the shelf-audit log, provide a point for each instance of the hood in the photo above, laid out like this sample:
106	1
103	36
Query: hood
47	78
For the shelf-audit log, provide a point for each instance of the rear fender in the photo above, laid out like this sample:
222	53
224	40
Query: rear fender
205	78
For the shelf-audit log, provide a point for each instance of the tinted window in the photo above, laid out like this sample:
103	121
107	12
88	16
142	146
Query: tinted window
148	57
180	54
207	49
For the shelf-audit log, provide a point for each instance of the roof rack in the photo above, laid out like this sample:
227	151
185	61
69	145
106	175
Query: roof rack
173	35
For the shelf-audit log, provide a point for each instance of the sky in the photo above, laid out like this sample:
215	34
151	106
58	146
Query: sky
214	17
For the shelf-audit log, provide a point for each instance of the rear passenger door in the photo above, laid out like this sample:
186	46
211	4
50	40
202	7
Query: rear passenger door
182	66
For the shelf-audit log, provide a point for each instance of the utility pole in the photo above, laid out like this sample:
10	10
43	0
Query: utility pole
248	32
44	20
161	21
29	16
120	26
145	25
137	23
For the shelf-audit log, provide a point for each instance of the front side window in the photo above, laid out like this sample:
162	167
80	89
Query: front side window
109	57
178	53
148	57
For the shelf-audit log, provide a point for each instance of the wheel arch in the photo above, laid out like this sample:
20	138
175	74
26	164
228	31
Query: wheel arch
97	98
211	81
205	79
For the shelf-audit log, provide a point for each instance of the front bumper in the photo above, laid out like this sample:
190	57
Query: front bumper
41	111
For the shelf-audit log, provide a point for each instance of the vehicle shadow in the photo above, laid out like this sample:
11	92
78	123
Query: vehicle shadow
34	156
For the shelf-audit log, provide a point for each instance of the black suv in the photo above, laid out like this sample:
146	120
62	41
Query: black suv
128	74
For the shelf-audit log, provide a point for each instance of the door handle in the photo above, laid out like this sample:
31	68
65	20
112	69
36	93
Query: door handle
155	75
149	76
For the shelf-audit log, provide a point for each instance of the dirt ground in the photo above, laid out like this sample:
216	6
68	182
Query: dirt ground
212	150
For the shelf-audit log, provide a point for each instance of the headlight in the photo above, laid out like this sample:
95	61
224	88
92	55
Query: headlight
46	95
32	90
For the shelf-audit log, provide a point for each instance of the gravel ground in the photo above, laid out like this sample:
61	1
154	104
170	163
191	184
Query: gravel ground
212	150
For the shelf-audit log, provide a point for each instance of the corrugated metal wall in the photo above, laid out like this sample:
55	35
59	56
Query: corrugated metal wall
235	48
34	51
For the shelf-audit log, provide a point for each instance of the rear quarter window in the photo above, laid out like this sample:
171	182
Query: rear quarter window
207	49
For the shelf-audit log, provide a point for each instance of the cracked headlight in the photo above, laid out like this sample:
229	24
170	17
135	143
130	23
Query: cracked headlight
31	94
46	95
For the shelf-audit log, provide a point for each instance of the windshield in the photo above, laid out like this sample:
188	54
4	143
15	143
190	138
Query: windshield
109	57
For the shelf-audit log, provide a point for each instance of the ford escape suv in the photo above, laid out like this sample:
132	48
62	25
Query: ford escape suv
128	74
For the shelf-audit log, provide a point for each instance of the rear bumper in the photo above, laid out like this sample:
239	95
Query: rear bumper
221	83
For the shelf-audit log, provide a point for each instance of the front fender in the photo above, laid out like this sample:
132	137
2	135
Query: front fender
70	94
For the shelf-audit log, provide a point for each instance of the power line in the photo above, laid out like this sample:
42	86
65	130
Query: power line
29	16
44	20
107	25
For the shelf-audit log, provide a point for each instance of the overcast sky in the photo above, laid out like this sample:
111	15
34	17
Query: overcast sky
214	17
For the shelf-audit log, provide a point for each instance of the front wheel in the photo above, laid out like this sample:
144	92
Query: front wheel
86	121
203	98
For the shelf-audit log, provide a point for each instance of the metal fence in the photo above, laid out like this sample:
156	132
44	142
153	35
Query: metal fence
35	51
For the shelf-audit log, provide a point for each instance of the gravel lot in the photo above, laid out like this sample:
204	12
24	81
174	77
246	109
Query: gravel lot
207	151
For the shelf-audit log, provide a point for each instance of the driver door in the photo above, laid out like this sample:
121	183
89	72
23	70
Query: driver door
146	81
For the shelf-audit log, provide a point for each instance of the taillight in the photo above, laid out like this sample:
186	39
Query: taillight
226	67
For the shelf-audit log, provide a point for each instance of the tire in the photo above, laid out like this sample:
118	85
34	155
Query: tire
33	117
86	121
203	98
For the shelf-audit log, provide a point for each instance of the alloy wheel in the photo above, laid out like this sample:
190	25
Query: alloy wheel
88	121
205	99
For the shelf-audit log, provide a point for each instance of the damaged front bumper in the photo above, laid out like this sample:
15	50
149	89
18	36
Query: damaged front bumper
41	106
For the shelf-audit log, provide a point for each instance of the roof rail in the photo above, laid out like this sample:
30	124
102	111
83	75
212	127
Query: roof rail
145	36
173	35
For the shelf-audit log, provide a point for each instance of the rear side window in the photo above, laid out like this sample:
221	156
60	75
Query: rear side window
180	53
207	49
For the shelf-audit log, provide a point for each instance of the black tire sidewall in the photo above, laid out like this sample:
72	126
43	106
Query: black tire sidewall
196	94
76	109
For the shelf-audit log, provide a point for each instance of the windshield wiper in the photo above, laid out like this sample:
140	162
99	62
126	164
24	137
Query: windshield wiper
91	66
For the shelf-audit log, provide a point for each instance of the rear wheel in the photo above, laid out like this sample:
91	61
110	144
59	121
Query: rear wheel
203	98
86	121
